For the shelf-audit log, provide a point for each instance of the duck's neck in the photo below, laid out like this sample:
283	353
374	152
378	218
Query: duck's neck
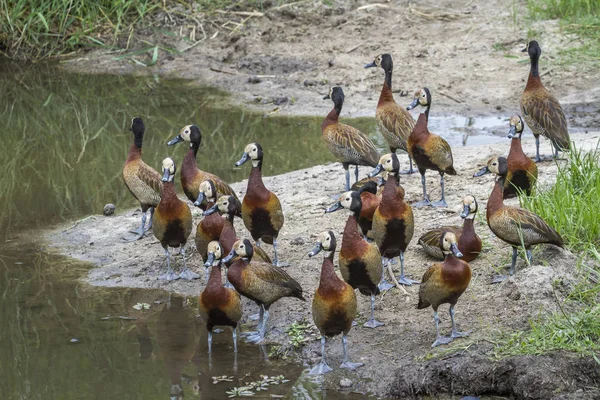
168	191
534	75
496	200
189	169
135	152
327	269
390	189
255	180
332	117
386	91
515	146
468	228
351	230
214	280
451	261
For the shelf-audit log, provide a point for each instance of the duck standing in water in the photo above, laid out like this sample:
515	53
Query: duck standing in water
444	283
261	209
334	304
172	222
143	181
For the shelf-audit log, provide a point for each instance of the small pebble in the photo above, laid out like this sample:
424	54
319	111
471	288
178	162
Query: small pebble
109	209
297	241
345	383
280	100
73	340
254	79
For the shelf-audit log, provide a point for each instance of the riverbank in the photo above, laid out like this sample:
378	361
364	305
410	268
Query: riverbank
403	344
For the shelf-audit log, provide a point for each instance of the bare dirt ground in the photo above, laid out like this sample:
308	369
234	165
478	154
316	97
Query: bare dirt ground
395	355
467	52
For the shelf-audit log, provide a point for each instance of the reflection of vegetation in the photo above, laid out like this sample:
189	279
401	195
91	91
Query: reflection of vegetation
66	138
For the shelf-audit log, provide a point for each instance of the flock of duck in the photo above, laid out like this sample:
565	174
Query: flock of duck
378	229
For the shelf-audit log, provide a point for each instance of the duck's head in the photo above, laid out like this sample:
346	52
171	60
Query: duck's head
382	61
207	191
349	200
336	94
533	49
137	126
189	133
495	165
449	245
325	241
214	253
422	97
241	248
168	169
224	205
516	126
254	152
389	163
469	207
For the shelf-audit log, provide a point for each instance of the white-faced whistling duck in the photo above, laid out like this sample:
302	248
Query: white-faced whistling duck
360	261
444	283
429	150
334	304
172	222
541	110
260	282
261	209
522	170
210	227
191	175
393	221
514	225
143	182
218	305
469	243
349	145
394	122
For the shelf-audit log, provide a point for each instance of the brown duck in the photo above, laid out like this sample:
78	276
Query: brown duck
469	243
395	123
393	221
429	150
218	305
172	222
514	225
444	283
334	304
360	261
541	110
191	175
143	182
260	282
261	209
349	145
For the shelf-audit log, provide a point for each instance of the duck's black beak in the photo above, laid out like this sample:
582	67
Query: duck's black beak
210	211
376	171
370	65
176	140
166	175
455	251
210	258
336	206
326	97
230	256
318	247
482	171
512	131
199	200
414	103
466	211
524	50
242	160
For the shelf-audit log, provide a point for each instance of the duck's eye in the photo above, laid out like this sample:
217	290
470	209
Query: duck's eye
186	131
494	164
423	95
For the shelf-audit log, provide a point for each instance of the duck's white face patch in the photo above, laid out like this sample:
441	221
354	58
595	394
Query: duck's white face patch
185	132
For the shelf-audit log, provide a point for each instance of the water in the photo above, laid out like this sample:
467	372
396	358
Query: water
64	141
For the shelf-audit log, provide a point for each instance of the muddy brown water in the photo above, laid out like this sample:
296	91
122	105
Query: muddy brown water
65	139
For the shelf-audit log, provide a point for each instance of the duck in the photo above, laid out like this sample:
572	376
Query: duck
260	282
219	305
261	209
143	181
444	283
395	122
349	145
360	261
393	220
469	243
210	227
334	304
191	175
228	207
514	225
429	150
172	222
542	112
